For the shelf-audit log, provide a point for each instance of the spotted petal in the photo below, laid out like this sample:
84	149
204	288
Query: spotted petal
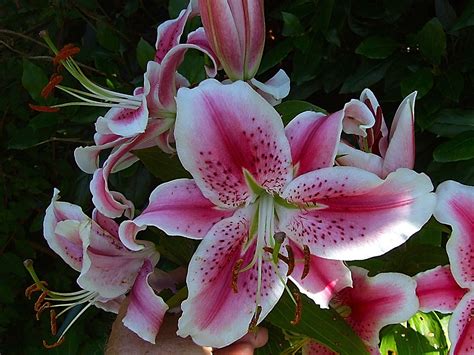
61	230
326	277
127	122
437	290
375	302
146	310
461	327
214	315
347	214
239	137
178	208
455	207
314	139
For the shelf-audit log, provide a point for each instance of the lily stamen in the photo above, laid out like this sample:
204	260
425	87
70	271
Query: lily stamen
54	81
254	321
105	97
307	259
66	52
235	274
298	309
280	256
54	324
291	260
55	344
41	108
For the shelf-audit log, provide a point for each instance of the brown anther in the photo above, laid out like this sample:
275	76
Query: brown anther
67	51
291	260
235	274
280	256
254	321
40	108
307	260
279	237
40	300
54	324
299	308
40	310
53	82
54	345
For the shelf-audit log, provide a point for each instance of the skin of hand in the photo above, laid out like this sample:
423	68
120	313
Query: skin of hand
122	341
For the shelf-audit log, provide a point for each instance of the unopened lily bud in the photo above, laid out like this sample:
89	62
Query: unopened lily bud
236	33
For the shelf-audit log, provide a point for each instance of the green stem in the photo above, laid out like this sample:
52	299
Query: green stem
177	298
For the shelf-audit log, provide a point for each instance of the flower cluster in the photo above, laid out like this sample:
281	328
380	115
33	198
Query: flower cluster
269	203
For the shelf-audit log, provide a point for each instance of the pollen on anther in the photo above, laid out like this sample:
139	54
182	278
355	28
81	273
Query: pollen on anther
307	259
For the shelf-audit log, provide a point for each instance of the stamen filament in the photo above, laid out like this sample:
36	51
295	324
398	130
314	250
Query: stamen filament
74	319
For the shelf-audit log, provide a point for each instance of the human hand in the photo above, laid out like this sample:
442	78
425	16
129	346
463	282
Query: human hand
122	341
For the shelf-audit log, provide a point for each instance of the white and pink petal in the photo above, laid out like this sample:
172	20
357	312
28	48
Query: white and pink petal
346	213
461	326
239	137
178	208
374	302
325	278
146	310
214	314
349	156
437	290
314	139
455	207
61	230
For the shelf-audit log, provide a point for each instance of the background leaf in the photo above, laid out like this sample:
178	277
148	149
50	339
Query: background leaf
324	325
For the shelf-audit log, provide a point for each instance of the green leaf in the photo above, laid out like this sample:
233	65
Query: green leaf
367	75
324	325
145	53
192	67
397	339
107	37
276	343
432	41
461	147
33	79
289	109
451	84
275	55
421	80
450	122
428	325
291	25
466	19
377	47
160	164
175	7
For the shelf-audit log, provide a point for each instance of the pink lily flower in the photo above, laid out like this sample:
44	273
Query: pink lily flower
108	269
235	31
370	304
451	288
243	193
380	152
